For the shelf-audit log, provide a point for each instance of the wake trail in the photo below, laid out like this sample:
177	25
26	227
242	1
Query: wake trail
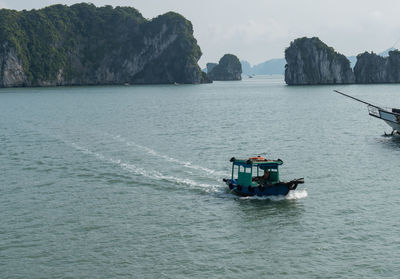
132	168
189	165
155	175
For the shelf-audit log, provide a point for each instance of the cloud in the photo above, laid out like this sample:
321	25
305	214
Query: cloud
2	5
377	15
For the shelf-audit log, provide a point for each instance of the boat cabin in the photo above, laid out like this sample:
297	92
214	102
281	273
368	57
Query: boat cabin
249	172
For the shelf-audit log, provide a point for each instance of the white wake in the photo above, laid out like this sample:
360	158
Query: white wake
190	165
156	175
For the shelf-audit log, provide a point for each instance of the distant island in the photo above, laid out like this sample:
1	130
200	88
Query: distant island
228	68
310	61
276	66
86	45
270	67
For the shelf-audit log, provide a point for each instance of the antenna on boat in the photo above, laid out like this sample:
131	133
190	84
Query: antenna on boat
355	99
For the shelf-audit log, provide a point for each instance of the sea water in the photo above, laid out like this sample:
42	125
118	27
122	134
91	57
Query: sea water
126	182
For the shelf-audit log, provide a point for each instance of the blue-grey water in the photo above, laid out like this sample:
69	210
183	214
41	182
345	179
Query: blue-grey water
125	182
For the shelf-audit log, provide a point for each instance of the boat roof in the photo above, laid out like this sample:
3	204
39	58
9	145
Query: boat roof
262	163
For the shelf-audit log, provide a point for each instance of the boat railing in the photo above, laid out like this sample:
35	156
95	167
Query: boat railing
372	110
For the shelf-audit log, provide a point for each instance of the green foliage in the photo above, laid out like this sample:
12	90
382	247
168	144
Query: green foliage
80	39
307	49
46	39
228	68
232	61
205	78
304	44
178	63
373	68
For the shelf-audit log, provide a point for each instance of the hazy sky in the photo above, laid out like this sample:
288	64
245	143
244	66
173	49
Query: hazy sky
258	30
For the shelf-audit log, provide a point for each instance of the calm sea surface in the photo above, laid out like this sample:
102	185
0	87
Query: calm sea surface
126	182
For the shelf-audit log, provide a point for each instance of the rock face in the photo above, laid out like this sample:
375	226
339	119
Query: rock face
85	45
211	66
372	68
310	61
228	68
11	70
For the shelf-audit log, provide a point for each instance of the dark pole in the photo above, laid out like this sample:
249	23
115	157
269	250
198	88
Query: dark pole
355	99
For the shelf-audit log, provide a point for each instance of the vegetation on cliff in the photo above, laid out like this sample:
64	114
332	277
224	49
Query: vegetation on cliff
83	44
372	68
228	68
310	61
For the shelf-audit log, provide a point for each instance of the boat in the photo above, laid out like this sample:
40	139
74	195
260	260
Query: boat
246	179
390	115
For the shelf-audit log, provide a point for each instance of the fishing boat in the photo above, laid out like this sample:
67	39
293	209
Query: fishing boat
390	115
246	179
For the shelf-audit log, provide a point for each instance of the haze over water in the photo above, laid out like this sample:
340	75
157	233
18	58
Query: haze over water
126	182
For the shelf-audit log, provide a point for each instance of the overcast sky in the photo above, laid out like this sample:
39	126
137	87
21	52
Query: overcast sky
258	30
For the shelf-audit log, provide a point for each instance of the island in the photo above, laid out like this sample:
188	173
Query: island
87	45
228	68
310	61
373	68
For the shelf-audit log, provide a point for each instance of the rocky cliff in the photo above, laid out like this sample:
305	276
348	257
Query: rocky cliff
228	68
310	61
372	68
11	69
211	66
86	45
